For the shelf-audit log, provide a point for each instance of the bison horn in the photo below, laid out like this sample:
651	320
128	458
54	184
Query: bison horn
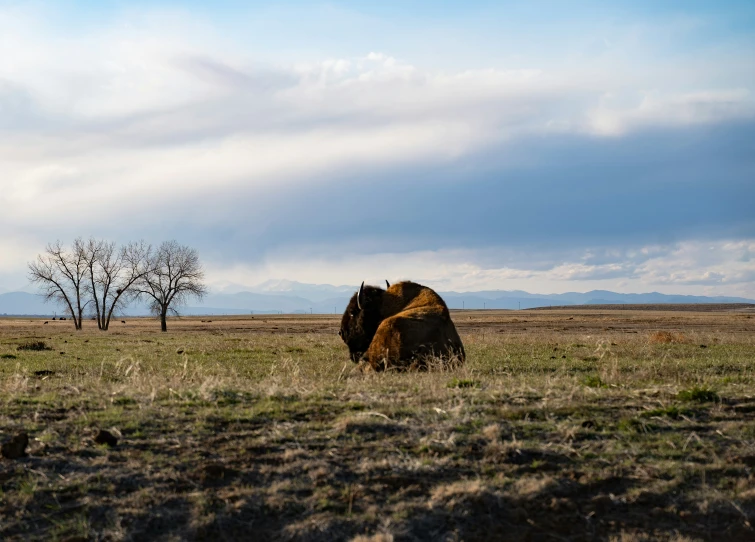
387	284
359	296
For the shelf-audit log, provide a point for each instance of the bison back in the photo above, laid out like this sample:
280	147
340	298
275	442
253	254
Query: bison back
411	336
405	296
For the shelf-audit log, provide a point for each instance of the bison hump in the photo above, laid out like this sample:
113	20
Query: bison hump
404	296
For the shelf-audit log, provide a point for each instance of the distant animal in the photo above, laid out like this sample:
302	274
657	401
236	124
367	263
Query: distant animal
61	318
399	328
123	321
47	322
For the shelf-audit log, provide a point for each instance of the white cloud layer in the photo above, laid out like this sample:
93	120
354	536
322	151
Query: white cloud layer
690	267
159	102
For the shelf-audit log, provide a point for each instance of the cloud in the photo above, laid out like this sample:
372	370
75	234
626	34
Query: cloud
677	268
161	123
217	73
659	109
708	264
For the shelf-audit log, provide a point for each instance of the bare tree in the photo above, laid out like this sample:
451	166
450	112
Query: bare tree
112	273
175	275
61	276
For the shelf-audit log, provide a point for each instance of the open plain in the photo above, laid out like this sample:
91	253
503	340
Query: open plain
563	425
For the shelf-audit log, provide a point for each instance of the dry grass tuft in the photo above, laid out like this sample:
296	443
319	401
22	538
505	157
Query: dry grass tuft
450	494
492	432
667	337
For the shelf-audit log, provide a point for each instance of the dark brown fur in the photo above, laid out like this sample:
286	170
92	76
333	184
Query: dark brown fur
400	327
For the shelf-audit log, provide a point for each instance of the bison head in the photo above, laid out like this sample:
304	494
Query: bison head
361	320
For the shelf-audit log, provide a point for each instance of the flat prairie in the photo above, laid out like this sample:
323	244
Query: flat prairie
569	424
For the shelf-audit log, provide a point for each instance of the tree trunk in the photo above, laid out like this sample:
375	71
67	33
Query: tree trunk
80	311
163	323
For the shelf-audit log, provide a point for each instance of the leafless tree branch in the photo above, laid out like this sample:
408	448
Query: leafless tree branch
60	274
112	273
175	275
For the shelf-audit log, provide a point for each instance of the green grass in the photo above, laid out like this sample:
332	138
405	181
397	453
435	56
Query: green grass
698	394
594	381
280	435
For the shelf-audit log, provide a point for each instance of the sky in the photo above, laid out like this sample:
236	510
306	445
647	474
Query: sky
542	146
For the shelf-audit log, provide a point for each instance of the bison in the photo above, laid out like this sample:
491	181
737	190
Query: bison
399	328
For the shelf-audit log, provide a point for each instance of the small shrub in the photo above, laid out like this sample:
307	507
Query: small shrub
594	381
461	383
35	346
699	395
8	356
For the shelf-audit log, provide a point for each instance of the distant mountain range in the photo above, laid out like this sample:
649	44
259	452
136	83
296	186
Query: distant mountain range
292	297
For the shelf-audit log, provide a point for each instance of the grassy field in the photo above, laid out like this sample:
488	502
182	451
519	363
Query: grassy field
563	425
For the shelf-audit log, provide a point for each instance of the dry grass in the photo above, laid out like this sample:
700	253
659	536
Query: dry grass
667	337
562	425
